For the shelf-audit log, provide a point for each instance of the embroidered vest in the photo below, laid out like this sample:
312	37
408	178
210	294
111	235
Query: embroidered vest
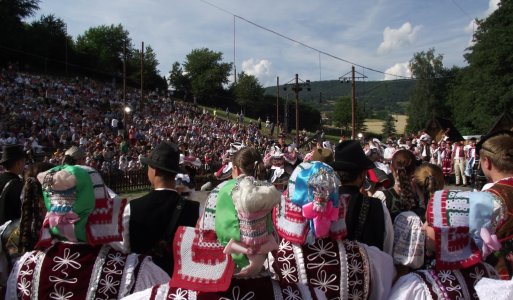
340	269
455	284
247	289
503	259
76	271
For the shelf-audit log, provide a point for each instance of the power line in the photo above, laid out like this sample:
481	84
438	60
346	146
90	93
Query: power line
462	10
301	43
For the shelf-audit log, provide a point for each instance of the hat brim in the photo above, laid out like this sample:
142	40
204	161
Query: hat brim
156	165
349	166
16	157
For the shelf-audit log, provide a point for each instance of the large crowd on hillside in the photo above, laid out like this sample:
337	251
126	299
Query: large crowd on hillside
352	219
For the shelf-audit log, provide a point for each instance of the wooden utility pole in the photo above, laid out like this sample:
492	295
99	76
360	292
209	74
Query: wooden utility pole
353	104
343	79
142	72
66	49
297	89
124	73
277	100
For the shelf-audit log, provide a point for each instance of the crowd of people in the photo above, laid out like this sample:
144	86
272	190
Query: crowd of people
353	220
48	115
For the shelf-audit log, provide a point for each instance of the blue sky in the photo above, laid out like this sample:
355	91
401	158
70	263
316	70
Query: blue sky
378	34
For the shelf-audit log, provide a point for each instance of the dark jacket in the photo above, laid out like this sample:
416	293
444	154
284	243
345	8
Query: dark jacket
12	202
149	218
365	218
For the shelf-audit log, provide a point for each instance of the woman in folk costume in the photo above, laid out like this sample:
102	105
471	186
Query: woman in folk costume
313	250
401	197
21	235
446	155
225	171
75	261
460	230
496	160
223	257
279	170
409	234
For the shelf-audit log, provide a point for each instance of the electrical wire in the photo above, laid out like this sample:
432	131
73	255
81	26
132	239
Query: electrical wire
301	43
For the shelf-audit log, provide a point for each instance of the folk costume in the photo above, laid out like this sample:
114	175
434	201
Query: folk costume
446	155
368	220
503	259
314	250
154	217
463	224
223	257
279	169
10	185
75	261
225	172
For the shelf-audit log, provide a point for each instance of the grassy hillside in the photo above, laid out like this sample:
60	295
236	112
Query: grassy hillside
376	96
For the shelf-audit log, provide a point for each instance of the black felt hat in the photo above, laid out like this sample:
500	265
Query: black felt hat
165	157
349	156
11	152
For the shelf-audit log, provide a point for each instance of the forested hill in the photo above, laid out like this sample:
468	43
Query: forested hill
376	95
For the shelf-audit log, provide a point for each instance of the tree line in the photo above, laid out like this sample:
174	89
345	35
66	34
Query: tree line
103	52
44	46
474	96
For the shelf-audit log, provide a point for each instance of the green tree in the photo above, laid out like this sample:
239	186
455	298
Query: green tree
430	93
151	78
47	38
342	113
12	13
179	81
248	91
207	72
389	126
102	47
484	89
343	116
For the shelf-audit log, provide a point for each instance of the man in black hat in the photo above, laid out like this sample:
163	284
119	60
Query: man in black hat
11	184
155	217
368	221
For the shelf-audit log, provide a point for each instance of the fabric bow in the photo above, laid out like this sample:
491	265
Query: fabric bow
64	223
490	242
321	218
278	171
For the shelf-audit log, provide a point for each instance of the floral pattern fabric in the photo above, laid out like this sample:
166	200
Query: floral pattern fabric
455	284
75	271
240	289
340	269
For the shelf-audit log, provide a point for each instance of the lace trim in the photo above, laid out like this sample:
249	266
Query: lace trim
37	272
300	264
97	271
277	290
128	278
427	291
305	291
344	281
463	284
366	269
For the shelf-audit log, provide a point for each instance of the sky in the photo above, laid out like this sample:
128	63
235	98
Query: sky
318	40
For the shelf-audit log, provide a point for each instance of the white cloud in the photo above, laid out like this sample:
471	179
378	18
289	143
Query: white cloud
401	69
396	38
492	6
260	69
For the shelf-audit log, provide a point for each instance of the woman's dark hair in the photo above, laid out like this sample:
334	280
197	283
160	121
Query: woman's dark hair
250	162
404	164
31	207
